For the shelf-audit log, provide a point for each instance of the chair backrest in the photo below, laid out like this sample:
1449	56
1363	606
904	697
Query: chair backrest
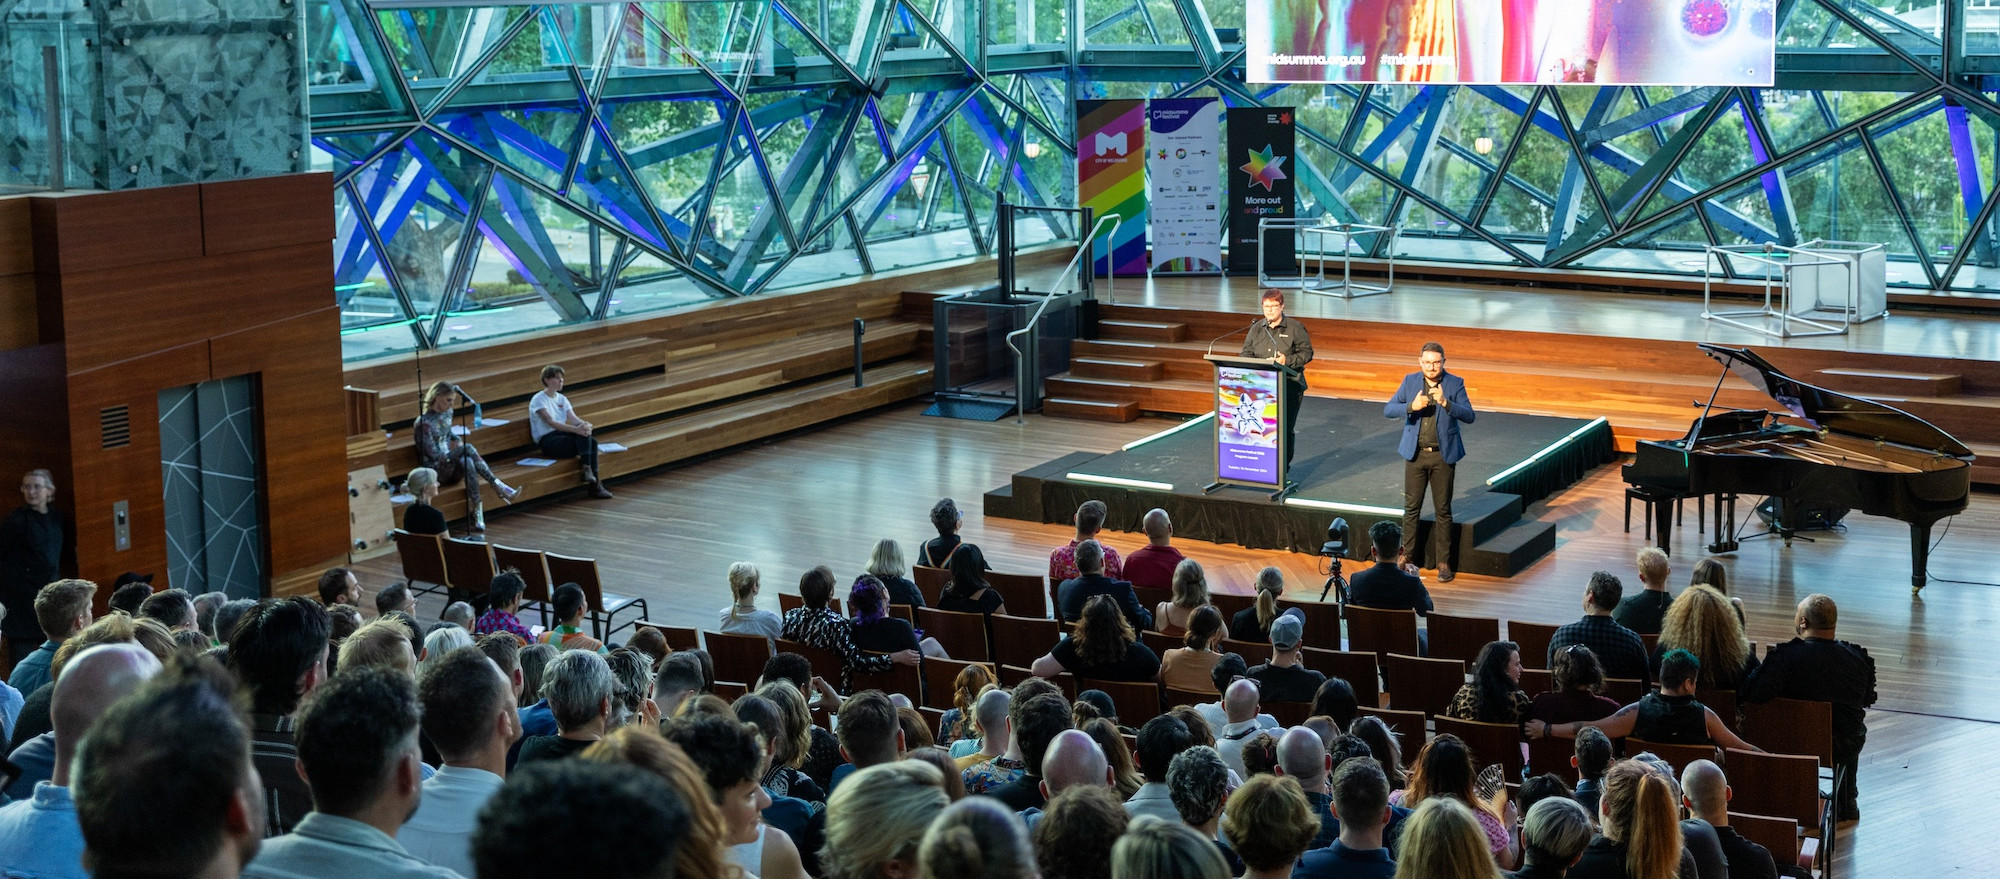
930	582
941	674
905	679
1779	835
1407	725
1790	726
1137	702
1382	631
1420	684
905	612
469	565
1174	697
962	634
1289	714
825	663
730	691
737	657
1160	642
1534	639
1322	622
532	567
1723	703
1358	668
1019	640
1151	596
1251	651
933	718
790	601
1012	675
678	637
1026	595
1652	641
1779	785
582	572
1536	681
1551	754
423	557
1231	603
1624	691
1461	637
1490	742
1677	756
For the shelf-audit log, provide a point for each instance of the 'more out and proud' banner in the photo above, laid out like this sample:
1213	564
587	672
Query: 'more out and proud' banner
1111	179
1261	141
1186	184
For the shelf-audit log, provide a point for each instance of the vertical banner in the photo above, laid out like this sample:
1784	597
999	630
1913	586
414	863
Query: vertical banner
1261	141
1186	183
1111	179
1246	425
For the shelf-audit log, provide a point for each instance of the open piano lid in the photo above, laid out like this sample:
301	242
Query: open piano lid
1836	412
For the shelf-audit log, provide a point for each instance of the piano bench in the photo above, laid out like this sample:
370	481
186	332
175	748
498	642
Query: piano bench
1652	496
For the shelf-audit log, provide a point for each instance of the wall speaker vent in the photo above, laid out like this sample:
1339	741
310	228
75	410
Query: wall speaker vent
114	426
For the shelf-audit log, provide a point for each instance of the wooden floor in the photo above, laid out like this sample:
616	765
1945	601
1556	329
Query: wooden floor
824	497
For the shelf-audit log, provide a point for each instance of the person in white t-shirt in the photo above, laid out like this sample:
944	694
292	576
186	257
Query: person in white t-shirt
559	432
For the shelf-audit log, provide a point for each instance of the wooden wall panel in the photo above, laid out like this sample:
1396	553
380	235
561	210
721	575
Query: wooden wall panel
91	231
19	325
258	214
36	435
101	477
17	250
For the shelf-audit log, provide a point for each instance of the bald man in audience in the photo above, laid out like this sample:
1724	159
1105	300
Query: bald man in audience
1072	760
1152	566
40	836
989	712
1819	667
1302	755
1239	707
1707	793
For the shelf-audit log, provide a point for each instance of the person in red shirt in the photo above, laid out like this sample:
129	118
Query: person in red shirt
1152	566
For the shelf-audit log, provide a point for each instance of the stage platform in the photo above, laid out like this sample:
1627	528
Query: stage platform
1346	466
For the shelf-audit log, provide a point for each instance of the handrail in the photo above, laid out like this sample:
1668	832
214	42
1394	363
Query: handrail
1020	357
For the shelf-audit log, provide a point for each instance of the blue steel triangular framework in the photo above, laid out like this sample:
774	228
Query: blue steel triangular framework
510	167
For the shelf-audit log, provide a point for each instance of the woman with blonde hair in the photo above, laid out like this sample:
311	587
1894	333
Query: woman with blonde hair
1190	594
1270	824
877	817
1553	836
1444	769
1102	647
1253	623
1641	837
1191	667
965	689
1155	848
743	617
421	517
1125	777
887	564
452	458
976	838
1442	840
794	743
701	850
1701	622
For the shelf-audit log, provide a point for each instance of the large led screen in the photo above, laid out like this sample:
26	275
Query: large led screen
1610	42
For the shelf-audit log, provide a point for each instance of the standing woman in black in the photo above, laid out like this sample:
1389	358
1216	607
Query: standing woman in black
452	457
31	545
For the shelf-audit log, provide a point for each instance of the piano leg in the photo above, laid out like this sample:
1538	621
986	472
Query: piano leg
1663	522
1725	525
1920	553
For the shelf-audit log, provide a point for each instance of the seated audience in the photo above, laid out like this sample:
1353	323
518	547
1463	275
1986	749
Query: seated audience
1260	753
790	741
1072	759
1159	740
444	639
1578	680
876	819
357	746
174	608
1302	757
989	721
534	659
701	853
383	643
951	779
1253	623
1494	696
559	432
1642	611
1036	721
1701	849
1239	705
819	626
395	597
1335	700
1198	782
1154	565
1285	677
1100	646
976	838
421	517
1592	758
1228	668
1388	584
62	609
1074	593
1164	848
613	823
631	689
226	617
1074	837
957	723
578	686
505	597
570	606
1443	840
1125	777
458	613
468	713
1444	770
946	518
1640	837
178	746
336	586
1269	825
1701	622
279	655
886	564
506	654
743	617
679	679
1709	572
1707	793
1192	667
1536	788
870	730
1618	649
875	630
1553	836
1361	806
1190	592
208	603
731	760
966	591
1063	563
1670	716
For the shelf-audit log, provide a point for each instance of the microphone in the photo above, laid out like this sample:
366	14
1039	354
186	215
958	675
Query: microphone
477	414
1245	331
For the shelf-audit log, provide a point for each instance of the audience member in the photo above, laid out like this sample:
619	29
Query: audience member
343	620
1389	584
1063	564
570	606
1159	740
442	640
946	518
1239	705
1270	825
1553	836
606	822
1036	722
1709	572
1642	611
174	608
1817	666
279	655
1110	738
1253	623
1494	695
1302	757
395	597
678	680
1577	680
989	720
1443	841
129	592
875	630
192	643
468	713
975	838
1190	593
39	835
702	852
1074	837
815	624
458	613
31	549
790	743
1164	848
1701	622
648	640
956	727
228	615
1706	793
631	689
339	586
1444	770
206	605
384	643
1072	759
1618	649
876	818
1154	565
534	659
177	747
1641	838
577	686
1285	677
417	632
1100	646
504	599
1384	744
1198	782
1260	753
62	609
967	590
31	732
1536	788
743	617
916	730
1335	700
886	564
732	762
1592	758
357	746
870	733
506	654
1228	668
1076	592
1669	716
1701	849
1192	666
1362	812
421	517
952	780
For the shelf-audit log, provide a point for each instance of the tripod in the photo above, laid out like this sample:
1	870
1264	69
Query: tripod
1334	578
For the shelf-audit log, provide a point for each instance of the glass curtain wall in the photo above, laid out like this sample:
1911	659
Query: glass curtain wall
503	168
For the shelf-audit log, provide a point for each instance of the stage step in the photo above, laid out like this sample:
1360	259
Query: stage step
1120	411
1142	330
1873	382
1176	396
1123	370
1511	551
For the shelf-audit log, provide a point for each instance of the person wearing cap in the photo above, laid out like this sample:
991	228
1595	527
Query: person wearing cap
31	546
1285	677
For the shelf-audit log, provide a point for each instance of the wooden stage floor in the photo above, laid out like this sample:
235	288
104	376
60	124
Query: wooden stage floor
825	497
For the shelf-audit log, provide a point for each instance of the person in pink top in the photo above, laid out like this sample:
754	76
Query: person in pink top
1089	520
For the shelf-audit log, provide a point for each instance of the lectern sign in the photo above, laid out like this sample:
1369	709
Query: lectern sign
1246	425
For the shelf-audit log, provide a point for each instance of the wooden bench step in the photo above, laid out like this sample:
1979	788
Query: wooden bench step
1120	411
1142	330
1878	381
1124	370
513	377
1179	397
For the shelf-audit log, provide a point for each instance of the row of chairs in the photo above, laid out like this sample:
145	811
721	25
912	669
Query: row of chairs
464	569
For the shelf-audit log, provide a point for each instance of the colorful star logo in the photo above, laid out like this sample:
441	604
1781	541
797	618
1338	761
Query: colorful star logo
1264	168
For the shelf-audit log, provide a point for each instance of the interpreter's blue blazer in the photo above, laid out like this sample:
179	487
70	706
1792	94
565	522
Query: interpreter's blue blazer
1458	407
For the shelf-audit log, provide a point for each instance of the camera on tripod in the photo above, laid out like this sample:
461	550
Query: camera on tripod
1334	549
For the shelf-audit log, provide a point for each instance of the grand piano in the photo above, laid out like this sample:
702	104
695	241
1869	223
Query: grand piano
1849	452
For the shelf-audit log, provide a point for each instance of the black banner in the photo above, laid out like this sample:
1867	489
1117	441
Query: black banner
1260	160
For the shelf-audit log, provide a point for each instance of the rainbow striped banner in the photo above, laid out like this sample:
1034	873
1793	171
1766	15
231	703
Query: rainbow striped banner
1111	179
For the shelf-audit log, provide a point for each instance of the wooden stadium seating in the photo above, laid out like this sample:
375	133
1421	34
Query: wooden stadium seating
678	637
1288	713
422	557
1251	651
1019	640
1322	622
730	691
1026	595
1536	681
1137	702
825	663
941	675
1382	632
1534	639
1230	603
1014	674
605	606
737	657
791	601
534	571
1408	725
1790	726
1779	785
1624	691
468	564
962	634
1778	835
1490	742
1161	642
1461	637
1552	754
905	679
1419	684
1174	698
1358	668
1723	703
930	582
1677	756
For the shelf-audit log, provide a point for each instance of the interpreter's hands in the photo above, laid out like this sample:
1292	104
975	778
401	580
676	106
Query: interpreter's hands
1422	402
907	657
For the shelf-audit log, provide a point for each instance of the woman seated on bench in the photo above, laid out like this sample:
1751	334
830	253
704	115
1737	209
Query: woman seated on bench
560	433
421	517
454	458
1670	716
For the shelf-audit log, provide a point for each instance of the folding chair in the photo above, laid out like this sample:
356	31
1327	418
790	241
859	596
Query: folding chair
737	657
1137	702
604	606
941	676
1026	595
905	679
962	634
468	564
1458	637
1358	669
930	582
1382	631
1019	640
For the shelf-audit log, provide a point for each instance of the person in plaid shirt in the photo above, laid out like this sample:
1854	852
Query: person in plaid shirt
1618	649
1089	521
505	593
